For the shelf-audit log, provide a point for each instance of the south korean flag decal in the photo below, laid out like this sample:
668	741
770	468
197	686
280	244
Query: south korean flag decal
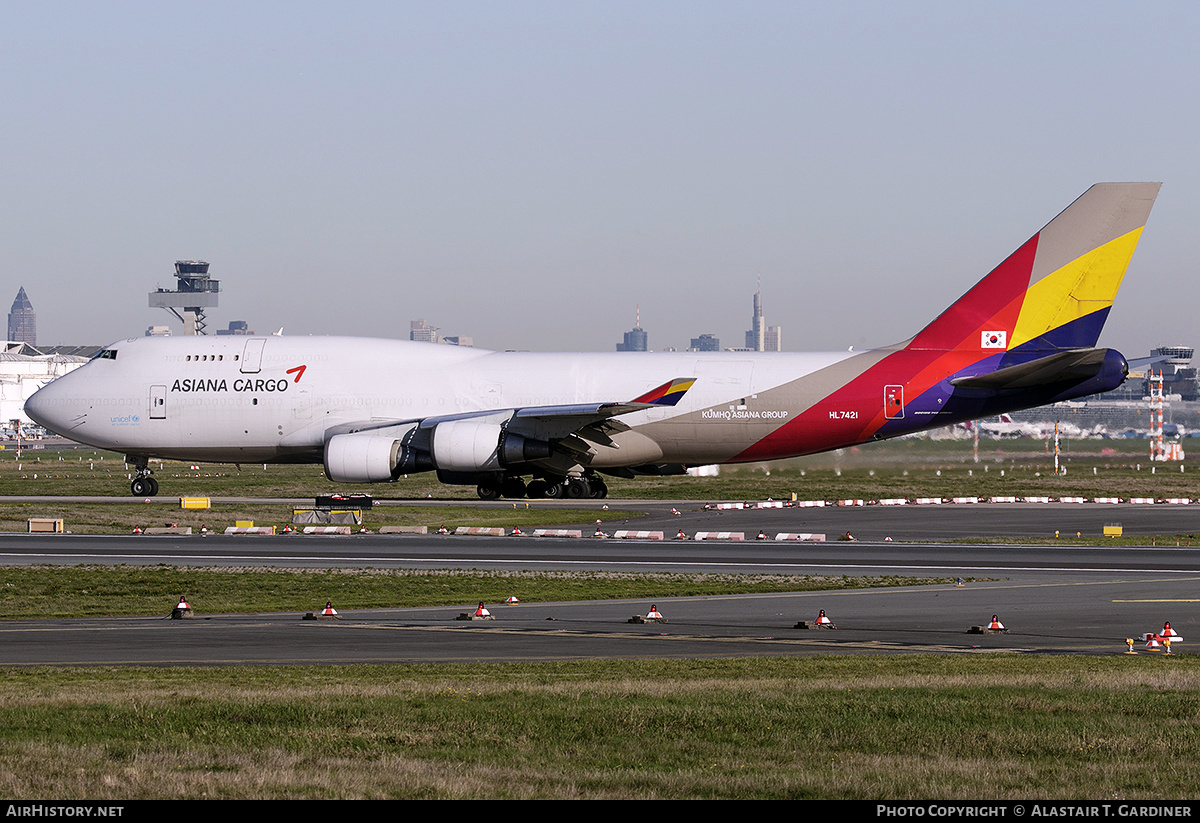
993	340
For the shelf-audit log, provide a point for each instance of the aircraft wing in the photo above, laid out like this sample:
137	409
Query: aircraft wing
575	427
1068	367
569	416
485	436
564	420
579	412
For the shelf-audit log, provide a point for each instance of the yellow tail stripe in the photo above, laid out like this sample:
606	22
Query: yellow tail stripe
1087	284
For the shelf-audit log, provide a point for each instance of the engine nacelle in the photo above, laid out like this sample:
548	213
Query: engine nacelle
467	445
377	456
477	445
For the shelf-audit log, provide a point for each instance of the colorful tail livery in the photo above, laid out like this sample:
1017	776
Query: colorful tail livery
1022	337
546	425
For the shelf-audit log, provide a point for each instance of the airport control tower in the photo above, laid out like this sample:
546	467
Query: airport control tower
196	293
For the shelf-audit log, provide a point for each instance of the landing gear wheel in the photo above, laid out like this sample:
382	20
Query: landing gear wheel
535	489
513	487
554	491
577	488
488	490
143	487
599	489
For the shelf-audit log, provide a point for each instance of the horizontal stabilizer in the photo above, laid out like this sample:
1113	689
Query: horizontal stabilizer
1072	366
1140	363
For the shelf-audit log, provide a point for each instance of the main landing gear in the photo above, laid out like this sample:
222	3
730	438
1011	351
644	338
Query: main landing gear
144	484
566	488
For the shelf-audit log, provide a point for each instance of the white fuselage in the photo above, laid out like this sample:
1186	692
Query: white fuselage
256	399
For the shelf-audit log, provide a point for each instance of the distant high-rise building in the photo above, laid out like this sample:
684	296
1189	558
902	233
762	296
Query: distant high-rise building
236	327
635	338
761	337
755	338
706	342
22	322
422	332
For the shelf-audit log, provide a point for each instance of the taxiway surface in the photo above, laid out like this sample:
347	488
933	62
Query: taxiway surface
1051	599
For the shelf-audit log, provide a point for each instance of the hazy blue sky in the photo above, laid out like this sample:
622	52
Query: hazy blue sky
529	172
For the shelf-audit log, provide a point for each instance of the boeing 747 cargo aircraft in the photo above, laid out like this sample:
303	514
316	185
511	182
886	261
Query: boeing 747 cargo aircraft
517	424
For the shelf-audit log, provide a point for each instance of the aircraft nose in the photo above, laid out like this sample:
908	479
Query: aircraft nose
35	407
45	408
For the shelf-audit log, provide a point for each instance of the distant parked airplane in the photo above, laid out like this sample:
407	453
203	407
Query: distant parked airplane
372	410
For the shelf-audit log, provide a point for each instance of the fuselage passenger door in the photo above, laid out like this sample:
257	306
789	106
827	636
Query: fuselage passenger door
158	402
252	356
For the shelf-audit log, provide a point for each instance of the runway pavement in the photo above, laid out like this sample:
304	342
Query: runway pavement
1052	599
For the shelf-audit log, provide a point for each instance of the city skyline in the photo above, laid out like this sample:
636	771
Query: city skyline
760	337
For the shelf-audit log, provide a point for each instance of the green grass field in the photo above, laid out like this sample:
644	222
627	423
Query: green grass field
911	727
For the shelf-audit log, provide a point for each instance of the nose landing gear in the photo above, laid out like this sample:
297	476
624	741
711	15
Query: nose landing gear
143	485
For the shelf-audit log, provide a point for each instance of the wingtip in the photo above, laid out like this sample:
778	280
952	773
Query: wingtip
669	393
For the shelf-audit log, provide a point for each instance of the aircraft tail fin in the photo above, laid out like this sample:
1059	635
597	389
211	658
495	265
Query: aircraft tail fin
1056	290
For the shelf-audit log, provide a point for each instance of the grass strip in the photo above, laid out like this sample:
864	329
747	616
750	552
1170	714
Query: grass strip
911	727
89	591
908	467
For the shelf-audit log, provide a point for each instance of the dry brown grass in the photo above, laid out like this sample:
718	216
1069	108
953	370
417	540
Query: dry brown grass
912	727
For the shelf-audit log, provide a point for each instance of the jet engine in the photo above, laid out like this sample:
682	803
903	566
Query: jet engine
375	456
479	445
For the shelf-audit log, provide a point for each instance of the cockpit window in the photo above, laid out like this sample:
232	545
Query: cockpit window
106	354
